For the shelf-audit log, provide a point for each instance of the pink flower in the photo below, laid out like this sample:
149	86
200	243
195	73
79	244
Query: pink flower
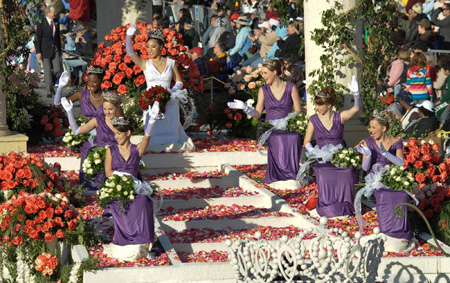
251	85
247	78
241	86
255	74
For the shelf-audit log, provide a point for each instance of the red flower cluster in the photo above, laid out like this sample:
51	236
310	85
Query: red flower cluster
52	124
123	76
434	199
36	216
46	263
16	173
424	162
156	93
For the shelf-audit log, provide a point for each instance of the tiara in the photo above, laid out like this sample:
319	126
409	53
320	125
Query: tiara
270	62
323	94
95	70
155	34
380	115
110	96
120	121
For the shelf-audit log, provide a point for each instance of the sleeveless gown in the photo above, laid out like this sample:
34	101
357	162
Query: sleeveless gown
168	133
284	147
87	110
135	225
335	185
387	199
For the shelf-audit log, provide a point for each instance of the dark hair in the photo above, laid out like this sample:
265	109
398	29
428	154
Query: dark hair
277	67
291	58
426	112
326	100
157	18
446	65
132	126
222	46
419	59
384	122
185	13
214	17
160	42
163	22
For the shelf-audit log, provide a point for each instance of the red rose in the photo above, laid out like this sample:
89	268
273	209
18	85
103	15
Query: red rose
123	89
123	66
117	59
17	241
58	210
106	85
418	164
127	59
237	116
60	234
413	142
49	237
49	127
69	214
72	224
139	80
58	220
429	213
44	120
107	75
228	125
137	69
117	79
33	234
50	211
436	147
420	177
129	73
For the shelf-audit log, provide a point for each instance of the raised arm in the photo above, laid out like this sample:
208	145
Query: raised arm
129	47
86	128
108	163
348	114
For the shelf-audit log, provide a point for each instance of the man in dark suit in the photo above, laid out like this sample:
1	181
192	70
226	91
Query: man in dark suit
48	48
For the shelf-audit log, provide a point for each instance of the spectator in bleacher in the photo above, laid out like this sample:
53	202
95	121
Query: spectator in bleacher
242	43
426	123
415	15
207	33
442	106
411	3
80	10
196	55
218	63
425	34
418	79
271	12
292	44
191	37
293	73
398	69
411	112
293	10
266	37
440	76
84	50
428	7
162	22
397	35
220	26
184	16
444	26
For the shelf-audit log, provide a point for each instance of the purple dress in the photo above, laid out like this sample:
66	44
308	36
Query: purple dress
336	185
387	199
284	147
87	110
136	224
376	154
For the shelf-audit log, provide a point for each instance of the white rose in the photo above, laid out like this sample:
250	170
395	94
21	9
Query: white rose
402	168
124	178
113	184
406	183
125	193
132	197
345	151
88	165
65	139
352	160
97	161
119	187
96	155
341	155
70	138
347	158
398	179
90	171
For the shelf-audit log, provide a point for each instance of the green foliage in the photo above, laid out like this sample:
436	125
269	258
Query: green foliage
87	265
83	234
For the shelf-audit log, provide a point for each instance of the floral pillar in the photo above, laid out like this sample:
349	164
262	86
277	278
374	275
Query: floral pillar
313	15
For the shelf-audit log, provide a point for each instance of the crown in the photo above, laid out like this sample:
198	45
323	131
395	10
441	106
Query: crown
155	34
380	115
323	94
110	96
95	70
270	62
120	121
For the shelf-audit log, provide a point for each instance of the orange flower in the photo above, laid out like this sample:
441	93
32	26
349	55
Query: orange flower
129	73
139	80
60	234
137	69
106	85
123	89
123	66
17	241
49	237
72	224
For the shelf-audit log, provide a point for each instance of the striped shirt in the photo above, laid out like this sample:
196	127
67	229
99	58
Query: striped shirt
418	82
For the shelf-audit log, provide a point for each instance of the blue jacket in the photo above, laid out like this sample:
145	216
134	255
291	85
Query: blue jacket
243	43
281	32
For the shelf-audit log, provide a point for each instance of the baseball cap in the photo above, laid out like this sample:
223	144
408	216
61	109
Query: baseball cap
265	24
233	17
425	23
418	8
197	50
406	97
428	105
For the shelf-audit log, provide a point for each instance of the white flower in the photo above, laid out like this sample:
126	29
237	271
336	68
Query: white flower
341	155
353	161
90	171
345	151
88	165
131	197
125	193
119	187
96	155
401	168
124	178
112	184
347	158
406	183
97	161
398	179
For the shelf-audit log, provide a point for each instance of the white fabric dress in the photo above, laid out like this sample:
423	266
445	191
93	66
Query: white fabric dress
168	134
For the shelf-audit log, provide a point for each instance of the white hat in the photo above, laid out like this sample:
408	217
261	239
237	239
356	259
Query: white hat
265	24
427	105
274	22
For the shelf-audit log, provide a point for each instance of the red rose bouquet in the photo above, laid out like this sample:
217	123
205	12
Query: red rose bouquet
156	93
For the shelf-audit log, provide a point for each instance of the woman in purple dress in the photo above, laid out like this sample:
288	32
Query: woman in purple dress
91	106
278	98
383	149
133	228
336	185
102	124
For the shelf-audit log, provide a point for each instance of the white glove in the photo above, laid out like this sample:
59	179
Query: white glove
309	147
63	80
131	30
392	158
150	118
68	107
237	104
363	149
353	86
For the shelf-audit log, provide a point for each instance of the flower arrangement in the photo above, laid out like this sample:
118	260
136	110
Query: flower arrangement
424	162
53	122
156	93
75	141
347	158
247	80
398	178
46	263
298	124
123	76
117	188
94	162
431	198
